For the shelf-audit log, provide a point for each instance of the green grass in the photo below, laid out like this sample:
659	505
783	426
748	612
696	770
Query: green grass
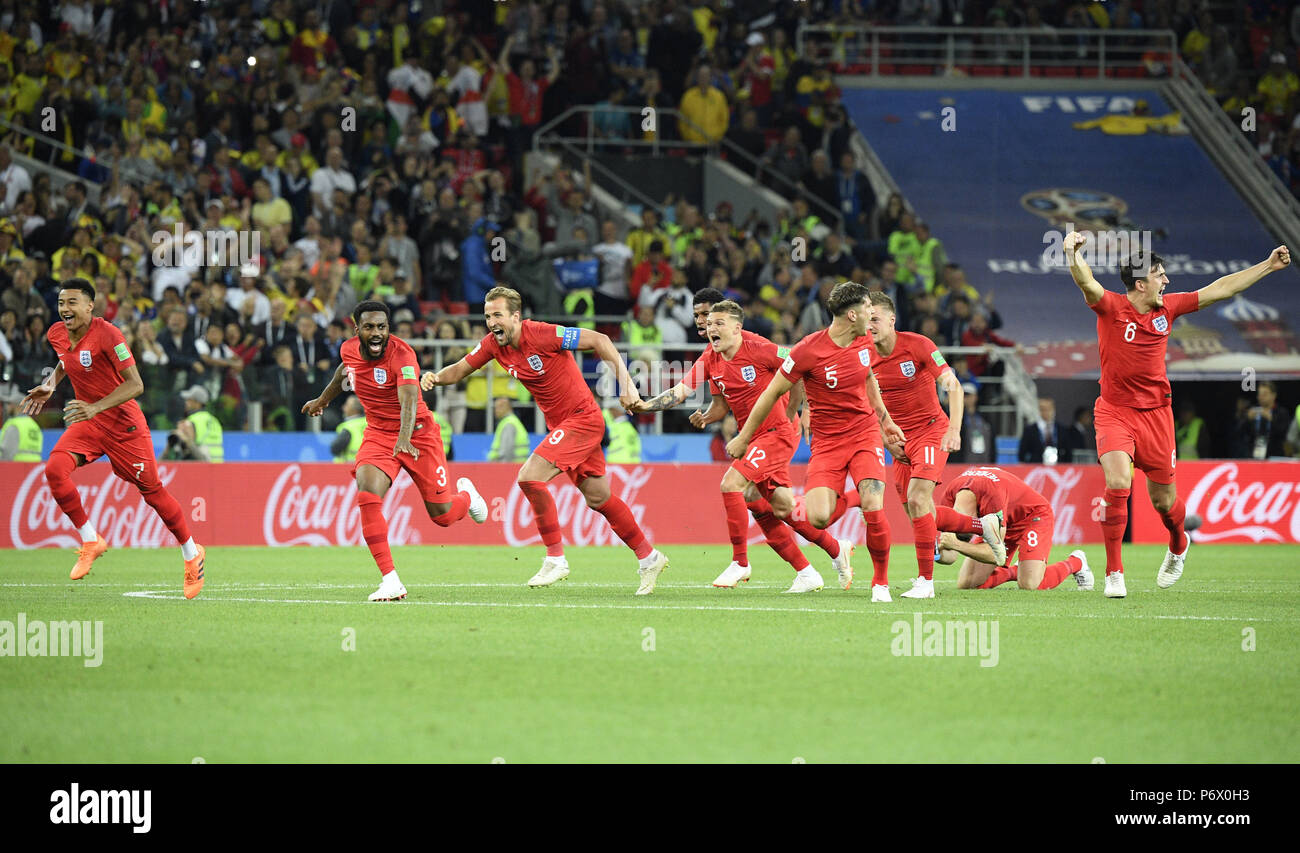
476	666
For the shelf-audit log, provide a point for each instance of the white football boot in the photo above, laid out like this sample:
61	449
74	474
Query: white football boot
732	575
807	580
994	534
880	593
921	588
1115	585
477	506
1083	577
843	565
390	588
1172	567
649	569
553	569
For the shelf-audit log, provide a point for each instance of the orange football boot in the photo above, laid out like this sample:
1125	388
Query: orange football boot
87	554
194	574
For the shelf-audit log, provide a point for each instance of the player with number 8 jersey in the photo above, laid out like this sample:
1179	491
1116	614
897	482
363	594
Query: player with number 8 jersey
103	420
847	418
400	434
538	355
1134	414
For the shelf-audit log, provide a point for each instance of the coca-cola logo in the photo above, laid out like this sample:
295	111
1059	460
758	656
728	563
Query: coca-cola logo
1255	509
328	515
1055	483
115	507
579	524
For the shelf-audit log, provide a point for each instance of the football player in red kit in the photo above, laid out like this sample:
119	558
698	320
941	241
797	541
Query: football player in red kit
848	420
104	420
538	355
382	370
1134	414
985	491
738	365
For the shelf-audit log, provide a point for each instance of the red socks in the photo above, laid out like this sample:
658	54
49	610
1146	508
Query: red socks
1113	521
58	474
737	525
948	519
999	576
1058	572
842	505
782	540
926	532
169	510
548	521
459	506
878	545
374	528
623	523
1173	521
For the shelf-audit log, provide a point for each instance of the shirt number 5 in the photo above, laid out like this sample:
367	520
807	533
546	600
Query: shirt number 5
831	379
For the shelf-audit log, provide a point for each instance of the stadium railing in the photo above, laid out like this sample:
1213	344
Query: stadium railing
989	51
58	174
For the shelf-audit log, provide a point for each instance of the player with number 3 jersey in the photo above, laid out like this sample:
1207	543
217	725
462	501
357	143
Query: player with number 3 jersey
400	434
1134	414
848	418
539	356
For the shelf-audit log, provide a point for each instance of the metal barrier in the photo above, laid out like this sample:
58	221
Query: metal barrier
989	51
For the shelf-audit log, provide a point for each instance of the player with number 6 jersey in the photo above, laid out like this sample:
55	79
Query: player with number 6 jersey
1134	414
848	418
539	356
738	365
400	434
103	420
992	492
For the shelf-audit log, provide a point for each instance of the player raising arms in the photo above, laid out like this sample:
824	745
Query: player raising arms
382	370
1134	414
738	365
104	420
537	354
848	418
987	491
907	369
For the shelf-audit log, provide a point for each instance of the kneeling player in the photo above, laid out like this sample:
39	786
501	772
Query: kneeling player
995	494
382	371
738	365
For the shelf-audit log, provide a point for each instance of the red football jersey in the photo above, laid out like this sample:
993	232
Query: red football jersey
835	380
743	380
375	381
545	368
906	377
996	489
94	365
1132	347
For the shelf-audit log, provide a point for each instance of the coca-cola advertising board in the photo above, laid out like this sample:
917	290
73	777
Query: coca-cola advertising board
262	503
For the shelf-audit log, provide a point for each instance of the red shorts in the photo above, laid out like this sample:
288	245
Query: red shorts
1146	435
766	463
1032	536
129	449
830	464
927	460
574	446
429	471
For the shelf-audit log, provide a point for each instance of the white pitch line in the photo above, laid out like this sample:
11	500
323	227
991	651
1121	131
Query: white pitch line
170	595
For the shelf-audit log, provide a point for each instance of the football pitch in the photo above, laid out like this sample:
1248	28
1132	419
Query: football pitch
281	659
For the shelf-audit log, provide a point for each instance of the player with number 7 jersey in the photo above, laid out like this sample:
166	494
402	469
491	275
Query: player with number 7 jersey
848	418
400	434
1134	414
539	356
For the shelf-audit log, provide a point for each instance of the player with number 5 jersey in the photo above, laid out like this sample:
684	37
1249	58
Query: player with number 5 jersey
400	434
539	356
103	420
848	418
1134	414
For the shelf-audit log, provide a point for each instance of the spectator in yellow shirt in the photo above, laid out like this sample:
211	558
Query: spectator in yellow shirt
705	106
269	211
1278	87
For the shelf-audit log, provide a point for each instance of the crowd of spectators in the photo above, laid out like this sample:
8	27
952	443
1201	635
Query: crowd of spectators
375	150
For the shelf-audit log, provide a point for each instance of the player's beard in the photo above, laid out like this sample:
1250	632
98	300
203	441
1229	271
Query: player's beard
383	348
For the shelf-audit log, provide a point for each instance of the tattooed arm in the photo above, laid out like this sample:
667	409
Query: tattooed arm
674	396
